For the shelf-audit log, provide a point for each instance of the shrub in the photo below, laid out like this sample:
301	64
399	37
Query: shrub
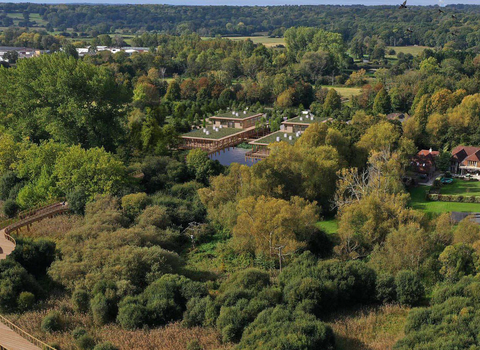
10	208
81	300
194	345
278	328
77	200
52	322
410	290
25	301
101	309
106	346
385	288
132	316
78	332
251	278
85	342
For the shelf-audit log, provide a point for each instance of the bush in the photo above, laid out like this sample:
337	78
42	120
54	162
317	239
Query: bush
52	322
77	200
385	288
194	345
278	328
132	316
410	290
25	301
10	208
106	346
81	300
78	332
85	342
253	279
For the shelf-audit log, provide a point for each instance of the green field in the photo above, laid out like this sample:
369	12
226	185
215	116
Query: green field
345	91
414	50
265	40
329	226
418	202
462	187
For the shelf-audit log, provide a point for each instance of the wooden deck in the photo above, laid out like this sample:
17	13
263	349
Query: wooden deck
12	337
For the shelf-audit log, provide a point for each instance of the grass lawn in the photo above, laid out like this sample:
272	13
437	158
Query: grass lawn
414	50
345	91
462	187
265	40
329	226
418	202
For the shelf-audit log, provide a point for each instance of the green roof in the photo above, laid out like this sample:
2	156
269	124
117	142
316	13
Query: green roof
273	138
214	135
305	120
241	114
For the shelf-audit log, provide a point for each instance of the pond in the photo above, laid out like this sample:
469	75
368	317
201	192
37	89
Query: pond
232	155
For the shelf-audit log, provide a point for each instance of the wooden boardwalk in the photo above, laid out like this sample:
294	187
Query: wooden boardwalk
13	341
12	337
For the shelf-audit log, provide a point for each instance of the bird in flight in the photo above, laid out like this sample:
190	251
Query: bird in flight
454	33
454	17
441	11
409	30
404	5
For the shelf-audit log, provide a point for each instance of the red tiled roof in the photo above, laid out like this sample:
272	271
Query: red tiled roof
424	160
475	157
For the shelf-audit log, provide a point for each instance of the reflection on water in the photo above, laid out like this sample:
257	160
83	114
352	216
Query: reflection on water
232	155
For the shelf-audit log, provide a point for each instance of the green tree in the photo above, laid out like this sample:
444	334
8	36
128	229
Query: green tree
382	103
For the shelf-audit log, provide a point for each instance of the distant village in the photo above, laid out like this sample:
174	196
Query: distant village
27	52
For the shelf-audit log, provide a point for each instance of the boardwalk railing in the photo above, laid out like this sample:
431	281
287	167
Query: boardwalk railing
25	335
25	218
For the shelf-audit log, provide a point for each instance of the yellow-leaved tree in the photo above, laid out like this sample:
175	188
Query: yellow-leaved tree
266	223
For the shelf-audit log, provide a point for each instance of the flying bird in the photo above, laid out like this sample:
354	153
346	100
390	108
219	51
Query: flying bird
409	30
404	5
454	17
454	33
441	11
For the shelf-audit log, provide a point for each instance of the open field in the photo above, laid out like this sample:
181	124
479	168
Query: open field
462	187
418	201
265	40
414	50
345	91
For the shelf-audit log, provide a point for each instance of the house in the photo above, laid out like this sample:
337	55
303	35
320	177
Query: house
237	120
465	159
260	149
226	130
23	52
424	162
302	122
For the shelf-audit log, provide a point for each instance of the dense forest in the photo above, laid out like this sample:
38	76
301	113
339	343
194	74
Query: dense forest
425	26
322	245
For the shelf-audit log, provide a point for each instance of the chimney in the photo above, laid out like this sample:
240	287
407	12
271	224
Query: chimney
430	150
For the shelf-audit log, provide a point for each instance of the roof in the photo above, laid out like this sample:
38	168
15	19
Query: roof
213	134
305	120
236	115
474	157
424	161
460	153
276	137
398	116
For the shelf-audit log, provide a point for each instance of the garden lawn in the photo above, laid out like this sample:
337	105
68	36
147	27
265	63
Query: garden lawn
414	50
462	187
418	202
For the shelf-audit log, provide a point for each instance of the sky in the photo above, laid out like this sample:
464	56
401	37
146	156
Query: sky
258	2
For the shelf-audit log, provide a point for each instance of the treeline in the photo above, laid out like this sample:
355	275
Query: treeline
426	26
